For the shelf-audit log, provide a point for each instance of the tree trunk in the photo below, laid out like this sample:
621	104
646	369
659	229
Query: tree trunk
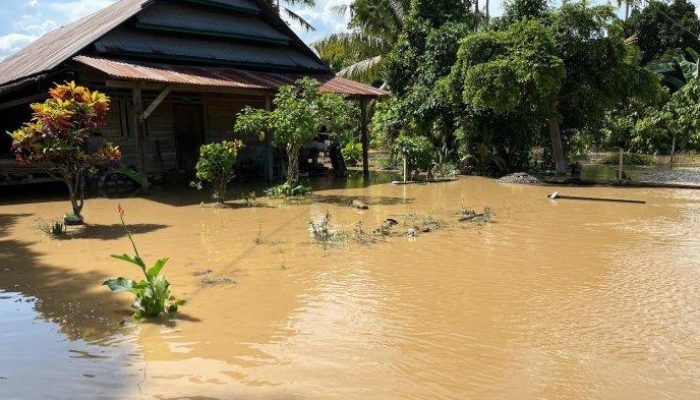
555	136
293	170
364	135
476	15
627	9
75	182
488	13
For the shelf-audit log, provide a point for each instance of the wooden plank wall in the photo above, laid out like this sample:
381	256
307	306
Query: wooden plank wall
160	145
219	118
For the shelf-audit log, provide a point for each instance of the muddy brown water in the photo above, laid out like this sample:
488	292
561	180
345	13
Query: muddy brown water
552	300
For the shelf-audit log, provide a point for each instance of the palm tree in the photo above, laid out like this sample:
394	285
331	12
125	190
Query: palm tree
628	4
375	25
285	11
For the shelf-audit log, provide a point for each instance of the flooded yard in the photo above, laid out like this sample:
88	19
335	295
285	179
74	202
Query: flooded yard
550	300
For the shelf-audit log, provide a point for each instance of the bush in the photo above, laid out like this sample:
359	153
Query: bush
216	166
58	133
417	150
287	189
352	153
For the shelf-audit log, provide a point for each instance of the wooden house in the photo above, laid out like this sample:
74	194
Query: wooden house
177	71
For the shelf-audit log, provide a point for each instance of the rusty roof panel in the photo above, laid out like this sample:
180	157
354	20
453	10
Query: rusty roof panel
146	44
173	16
60	45
220	77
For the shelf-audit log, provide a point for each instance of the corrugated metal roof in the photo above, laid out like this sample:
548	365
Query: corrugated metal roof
220	77
57	46
129	41
170	16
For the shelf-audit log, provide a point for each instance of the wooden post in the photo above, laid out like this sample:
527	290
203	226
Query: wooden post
673	150
364	135
140	126
269	149
405	168
621	172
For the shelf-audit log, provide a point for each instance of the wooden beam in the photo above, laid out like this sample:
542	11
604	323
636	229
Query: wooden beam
140	127
23	100
269	148
156	103
364	135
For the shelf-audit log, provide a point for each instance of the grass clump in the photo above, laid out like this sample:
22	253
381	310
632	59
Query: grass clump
53	229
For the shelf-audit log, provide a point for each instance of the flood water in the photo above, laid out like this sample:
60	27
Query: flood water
551	300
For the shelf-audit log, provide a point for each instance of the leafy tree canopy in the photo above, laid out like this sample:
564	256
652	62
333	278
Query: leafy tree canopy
300	113
663	29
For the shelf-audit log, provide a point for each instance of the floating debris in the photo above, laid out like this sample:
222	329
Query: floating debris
208	281
557	196
360	205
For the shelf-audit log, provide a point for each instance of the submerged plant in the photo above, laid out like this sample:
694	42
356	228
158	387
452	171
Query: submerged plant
153	292
53	229
287	189
322	230
250	198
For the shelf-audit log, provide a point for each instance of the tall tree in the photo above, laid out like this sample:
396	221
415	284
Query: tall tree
571	66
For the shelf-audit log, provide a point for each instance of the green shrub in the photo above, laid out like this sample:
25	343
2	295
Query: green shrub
287	189
417	150
352	153
153	292
216	166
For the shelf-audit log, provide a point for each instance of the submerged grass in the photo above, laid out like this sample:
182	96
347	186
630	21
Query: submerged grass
53	229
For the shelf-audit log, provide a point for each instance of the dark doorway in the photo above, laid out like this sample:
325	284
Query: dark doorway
10	120
189	134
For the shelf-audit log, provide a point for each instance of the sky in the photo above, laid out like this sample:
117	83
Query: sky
22	21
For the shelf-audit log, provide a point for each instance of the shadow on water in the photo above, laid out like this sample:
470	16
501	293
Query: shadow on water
49	315
110	232
182	195
369	200
65	298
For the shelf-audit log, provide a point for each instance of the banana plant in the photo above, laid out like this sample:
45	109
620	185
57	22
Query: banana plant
689	67
153	292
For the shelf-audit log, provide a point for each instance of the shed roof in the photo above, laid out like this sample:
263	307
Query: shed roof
220	77
130	42
168	16
106	29
57	46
